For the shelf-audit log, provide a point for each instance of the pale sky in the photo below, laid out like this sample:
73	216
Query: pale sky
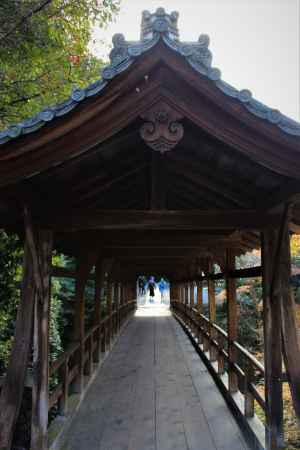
255	43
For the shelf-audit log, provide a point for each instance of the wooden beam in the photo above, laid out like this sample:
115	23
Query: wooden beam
64	272
291	343
84	266
164	220
154	238
272	343
158	253
211	309
109	306
96	191
232	319
250	272
99	282
13	386
198	176
192	294
40	369
200	297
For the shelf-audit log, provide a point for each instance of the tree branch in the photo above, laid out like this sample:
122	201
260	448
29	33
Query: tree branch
23	19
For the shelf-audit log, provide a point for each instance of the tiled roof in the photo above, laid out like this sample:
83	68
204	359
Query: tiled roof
155	27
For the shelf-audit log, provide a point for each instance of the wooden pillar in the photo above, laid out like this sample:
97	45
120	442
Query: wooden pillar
291	344
192	294
272	342
13	386
200	310
109	311
185	295
40	369
84	266
97	293
118	300
172	291
99	276
211	308
231	320
200	297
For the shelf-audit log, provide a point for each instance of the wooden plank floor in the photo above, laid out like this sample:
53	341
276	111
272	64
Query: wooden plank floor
153	393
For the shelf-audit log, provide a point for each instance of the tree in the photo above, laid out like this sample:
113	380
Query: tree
44	52
10	275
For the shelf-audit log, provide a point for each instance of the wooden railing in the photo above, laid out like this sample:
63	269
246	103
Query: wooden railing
95	344
212	342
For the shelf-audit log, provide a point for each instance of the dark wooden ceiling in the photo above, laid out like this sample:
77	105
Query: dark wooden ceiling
74	173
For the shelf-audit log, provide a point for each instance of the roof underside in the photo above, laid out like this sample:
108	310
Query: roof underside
92	169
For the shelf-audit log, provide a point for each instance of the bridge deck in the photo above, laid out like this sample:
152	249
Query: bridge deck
153	393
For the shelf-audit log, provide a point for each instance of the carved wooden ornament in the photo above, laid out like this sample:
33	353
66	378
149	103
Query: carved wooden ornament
162	131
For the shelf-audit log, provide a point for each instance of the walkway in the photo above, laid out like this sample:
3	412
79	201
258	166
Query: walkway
153	393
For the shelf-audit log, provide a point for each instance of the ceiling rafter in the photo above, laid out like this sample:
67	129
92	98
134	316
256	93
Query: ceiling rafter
109	184
208	181
202	195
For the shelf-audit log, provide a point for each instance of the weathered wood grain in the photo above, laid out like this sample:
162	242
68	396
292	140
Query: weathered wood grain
13	386
153	393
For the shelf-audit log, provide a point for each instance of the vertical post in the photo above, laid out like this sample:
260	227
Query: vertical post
119	304
272	343
13	386
78	327
64	375
83	269
212	309
109	311
192	294
231	320
192	301
40	385
97	308
291	343
185	290
200	296
200	309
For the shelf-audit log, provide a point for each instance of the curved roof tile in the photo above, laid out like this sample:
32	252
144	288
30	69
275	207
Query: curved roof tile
154	27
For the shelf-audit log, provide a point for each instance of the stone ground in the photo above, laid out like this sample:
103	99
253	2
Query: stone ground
154	393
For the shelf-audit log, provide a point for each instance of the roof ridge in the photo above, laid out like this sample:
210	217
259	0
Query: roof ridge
156	26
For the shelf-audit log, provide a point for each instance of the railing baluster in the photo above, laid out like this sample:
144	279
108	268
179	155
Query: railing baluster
221	360
64	376
244	375
249	398
80	356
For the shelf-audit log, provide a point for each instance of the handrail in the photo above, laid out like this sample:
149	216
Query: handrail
212	342
249	272
250	357
81	356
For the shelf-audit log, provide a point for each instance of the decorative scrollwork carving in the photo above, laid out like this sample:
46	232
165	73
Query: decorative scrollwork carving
162	131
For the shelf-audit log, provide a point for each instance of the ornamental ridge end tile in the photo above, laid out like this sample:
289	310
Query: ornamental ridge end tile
154	27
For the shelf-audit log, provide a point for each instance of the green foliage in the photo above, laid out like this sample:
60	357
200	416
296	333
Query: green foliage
44	52
10	277
64	291
11	254
56	321
297	295
250	331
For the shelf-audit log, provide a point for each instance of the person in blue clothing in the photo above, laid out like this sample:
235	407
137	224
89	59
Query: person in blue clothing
162	287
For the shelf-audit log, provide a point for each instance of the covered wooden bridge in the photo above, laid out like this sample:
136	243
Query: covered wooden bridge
158	168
